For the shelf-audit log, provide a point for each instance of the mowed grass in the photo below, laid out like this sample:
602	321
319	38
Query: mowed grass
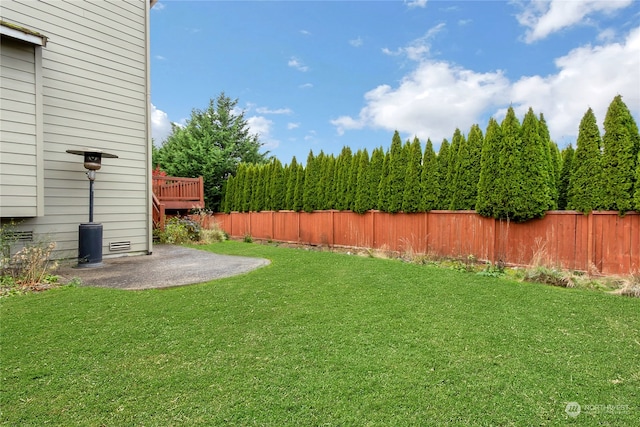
320	338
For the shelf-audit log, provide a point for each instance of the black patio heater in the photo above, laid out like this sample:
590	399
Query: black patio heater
90	234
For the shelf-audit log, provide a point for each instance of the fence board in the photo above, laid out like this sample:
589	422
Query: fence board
285	226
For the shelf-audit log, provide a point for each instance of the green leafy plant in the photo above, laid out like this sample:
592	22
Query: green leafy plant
178	230
247	238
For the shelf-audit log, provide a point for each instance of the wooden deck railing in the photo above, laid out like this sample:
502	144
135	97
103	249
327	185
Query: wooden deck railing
158	213
179	193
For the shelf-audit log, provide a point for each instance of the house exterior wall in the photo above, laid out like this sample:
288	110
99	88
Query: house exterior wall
94	94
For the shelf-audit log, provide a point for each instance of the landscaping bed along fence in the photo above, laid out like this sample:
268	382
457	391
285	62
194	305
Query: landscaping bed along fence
599	243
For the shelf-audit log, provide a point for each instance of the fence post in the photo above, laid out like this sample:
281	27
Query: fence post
590	243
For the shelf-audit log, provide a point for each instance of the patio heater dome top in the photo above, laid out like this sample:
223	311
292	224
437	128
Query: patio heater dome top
92	157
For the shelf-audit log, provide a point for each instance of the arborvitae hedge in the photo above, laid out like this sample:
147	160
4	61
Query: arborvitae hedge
292	171
397	172
430	180
412	196
550	150
465	191
619	157
363	200
375	174
535	167
514	172
383	185
584	192
490	171
565	176
453	165
443	168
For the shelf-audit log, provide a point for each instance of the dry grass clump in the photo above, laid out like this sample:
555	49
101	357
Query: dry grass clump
630	286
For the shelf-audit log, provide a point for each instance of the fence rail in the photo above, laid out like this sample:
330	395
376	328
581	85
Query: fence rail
179	193
602	242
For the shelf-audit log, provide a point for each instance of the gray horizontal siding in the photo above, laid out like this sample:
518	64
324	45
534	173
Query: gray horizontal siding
94	96
18	140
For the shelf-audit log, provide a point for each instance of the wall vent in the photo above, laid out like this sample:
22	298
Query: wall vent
20	236
119	246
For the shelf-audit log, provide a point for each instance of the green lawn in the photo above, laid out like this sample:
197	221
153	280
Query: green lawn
319	338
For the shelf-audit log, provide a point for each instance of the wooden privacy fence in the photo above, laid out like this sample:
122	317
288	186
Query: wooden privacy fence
602	242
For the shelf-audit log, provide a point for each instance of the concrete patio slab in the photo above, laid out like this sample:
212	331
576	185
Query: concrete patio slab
168	266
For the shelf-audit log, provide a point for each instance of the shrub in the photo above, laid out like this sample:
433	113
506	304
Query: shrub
29	268
178	230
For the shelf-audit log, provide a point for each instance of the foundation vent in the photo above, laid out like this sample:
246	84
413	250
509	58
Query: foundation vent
119	246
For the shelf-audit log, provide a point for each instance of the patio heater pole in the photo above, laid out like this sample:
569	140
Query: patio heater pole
90	234
91	200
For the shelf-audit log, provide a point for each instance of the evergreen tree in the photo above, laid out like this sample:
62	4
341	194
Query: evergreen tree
310	188
278	186
363	190
550	152
292	176
327	184
584	192
430	180
397	172
375	175
228	194
568	155
299	189
238	197
453	165
412	188
443	168
212	144
350	199
250	178
383	186
257	189
535	162
342	184
556	161
468	171
619	157
510	188
487	201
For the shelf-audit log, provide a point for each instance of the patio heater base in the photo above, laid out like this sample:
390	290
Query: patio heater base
90	245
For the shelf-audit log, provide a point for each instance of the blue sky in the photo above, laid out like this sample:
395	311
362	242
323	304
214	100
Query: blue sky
320	75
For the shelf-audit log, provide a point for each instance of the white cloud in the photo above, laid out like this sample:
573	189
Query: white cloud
415	3
291	126
419	48
160	58
306	86
463	22
158	6
430	102
356	42
543	18
160	125
262	127
589	76
265	110
439	96
297	64
305	32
